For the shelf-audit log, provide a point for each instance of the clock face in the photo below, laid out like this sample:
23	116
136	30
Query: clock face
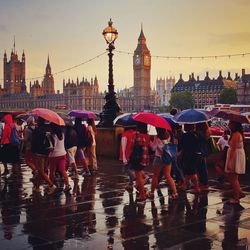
137	60
146	60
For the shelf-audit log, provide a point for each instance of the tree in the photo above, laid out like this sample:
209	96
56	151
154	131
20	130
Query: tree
182	100
228	96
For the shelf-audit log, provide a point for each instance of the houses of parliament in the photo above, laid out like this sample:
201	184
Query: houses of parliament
77	94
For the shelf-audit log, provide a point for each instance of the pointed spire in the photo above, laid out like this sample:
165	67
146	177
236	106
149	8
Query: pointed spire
14	45
48	61
48	68
141	36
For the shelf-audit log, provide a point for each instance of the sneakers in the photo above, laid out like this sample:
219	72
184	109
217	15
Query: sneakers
52	189
67	188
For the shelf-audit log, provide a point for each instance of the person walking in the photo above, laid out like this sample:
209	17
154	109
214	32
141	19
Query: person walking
91	130
203	133
57	157
188	150
10	151
162	138
82	143
142	139
127	141
28	155
40	150
70	144
236	160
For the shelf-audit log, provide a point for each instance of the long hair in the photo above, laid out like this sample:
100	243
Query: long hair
203	129
162	133
91	123
236	127
57	130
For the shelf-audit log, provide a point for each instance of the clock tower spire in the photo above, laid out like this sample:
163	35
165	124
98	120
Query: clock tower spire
142	74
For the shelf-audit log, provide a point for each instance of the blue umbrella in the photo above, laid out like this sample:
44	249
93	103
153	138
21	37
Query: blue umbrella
191	116
169	119
125	120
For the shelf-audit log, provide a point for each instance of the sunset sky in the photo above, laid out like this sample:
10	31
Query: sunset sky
71	33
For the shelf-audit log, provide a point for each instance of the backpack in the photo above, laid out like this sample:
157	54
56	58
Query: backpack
14	140
169	152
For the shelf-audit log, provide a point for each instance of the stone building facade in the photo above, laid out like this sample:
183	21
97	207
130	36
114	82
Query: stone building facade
243	88
207	91
163	89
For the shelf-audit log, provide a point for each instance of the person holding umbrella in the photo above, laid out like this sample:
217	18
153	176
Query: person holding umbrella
142	140
236	159
188	149
162	138
39	147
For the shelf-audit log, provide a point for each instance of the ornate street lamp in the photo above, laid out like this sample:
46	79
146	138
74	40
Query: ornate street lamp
111	108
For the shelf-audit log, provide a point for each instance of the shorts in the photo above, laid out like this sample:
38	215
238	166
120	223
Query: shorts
71	153
80	154
41	161
157	162
59	162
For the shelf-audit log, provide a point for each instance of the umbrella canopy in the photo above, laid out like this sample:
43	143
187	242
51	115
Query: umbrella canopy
191	116
230	115
152	119
24	116
67	119
169	119
124	120
48	115
84	114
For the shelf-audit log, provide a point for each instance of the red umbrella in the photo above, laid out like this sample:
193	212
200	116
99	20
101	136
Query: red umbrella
152	119
229	115
48	115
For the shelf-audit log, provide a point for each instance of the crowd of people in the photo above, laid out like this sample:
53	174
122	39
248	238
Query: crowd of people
188	165
49	149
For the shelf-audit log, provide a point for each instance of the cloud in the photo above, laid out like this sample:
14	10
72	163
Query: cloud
3	28
232	39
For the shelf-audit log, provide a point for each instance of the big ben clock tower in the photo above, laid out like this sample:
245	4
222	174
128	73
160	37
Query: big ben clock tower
142	69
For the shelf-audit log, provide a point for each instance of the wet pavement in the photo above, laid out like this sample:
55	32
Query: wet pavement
99	214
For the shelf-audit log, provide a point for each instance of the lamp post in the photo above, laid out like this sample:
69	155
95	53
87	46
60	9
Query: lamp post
111	108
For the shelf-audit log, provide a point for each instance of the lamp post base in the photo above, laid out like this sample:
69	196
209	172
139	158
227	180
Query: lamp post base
110	110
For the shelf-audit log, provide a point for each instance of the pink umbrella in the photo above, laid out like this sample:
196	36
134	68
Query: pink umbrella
84	114
152	119
48	115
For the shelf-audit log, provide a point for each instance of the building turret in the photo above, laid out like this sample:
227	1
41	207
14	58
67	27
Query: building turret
48	81
220	77
207	78
229	76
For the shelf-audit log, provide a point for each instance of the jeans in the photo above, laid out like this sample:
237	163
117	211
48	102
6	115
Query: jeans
202	172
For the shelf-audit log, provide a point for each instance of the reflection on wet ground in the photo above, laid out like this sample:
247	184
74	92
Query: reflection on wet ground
99	214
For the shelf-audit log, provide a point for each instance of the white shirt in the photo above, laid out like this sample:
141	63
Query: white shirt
222	143
59	149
